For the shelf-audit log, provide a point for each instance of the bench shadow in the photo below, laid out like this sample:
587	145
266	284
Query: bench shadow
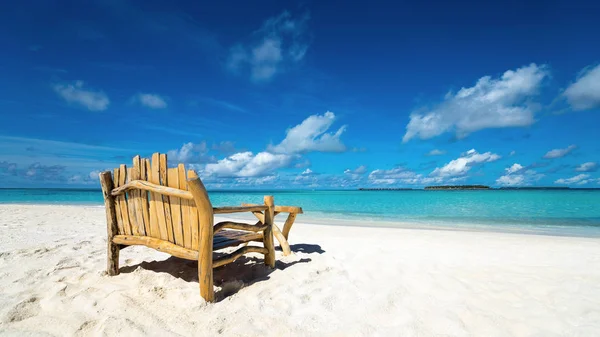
231	277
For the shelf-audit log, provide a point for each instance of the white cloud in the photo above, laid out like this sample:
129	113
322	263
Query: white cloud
362	169
307	172
311	135
436	152
191	153
491	103
559	153
514	168
584	94
579	179
152	101
462	165
400	175
512	153
278	44
587	167
246	164
75	93
517	175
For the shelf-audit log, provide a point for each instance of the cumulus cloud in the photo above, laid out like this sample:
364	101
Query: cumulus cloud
357	173
307	172
246	164
152	101
462	165
436	152
491	103
191	153
584	93
587	167
75	93
517	175
559	153
580	179
280	43
312	135
398	175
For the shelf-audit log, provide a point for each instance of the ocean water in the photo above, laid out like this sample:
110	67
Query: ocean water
570	212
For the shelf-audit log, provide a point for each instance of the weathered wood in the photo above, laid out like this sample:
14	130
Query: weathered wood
225	210
160	205
158	244
112	265
260	216
282	209
194	217
224	242
164	180
287	226
173	181
185	209
238	225
152	187
144	169
235	255
136	173
117	205
268	232
205	249
131	208
155	198
283	243
123	201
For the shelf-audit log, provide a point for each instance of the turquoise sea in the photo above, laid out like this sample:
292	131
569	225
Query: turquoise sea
570	212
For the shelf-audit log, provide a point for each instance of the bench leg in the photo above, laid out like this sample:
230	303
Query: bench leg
268	233
288	225
112	267
285	246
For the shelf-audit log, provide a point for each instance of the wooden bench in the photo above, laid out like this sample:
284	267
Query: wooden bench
281	235
152	205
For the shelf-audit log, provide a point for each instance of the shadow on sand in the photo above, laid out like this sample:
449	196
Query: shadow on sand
232	277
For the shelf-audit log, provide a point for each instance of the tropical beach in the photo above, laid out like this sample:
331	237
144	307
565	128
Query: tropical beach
299	168
341	280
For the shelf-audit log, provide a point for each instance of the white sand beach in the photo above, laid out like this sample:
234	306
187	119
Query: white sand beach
341	281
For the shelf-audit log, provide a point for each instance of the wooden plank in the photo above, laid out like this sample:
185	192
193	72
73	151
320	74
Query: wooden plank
235	255
173	180
268	232
131	209
117	206
166	200
205	247
152	187
239	225
161	226
123	201
158	244
144	168
194	217
112	264
185	209
238	209
136	173
282	209
153	199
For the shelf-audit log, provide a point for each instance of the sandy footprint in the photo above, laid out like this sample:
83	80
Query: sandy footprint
23	310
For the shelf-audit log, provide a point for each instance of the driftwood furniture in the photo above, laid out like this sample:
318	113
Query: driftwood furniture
281	235
152	205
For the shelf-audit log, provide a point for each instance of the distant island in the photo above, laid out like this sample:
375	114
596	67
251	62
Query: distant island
458	187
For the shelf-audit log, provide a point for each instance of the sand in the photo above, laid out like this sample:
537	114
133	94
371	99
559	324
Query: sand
341	281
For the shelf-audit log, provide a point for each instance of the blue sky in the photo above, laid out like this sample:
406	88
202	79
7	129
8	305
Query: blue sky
313	94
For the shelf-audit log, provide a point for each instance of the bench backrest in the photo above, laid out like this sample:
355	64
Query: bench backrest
151	214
